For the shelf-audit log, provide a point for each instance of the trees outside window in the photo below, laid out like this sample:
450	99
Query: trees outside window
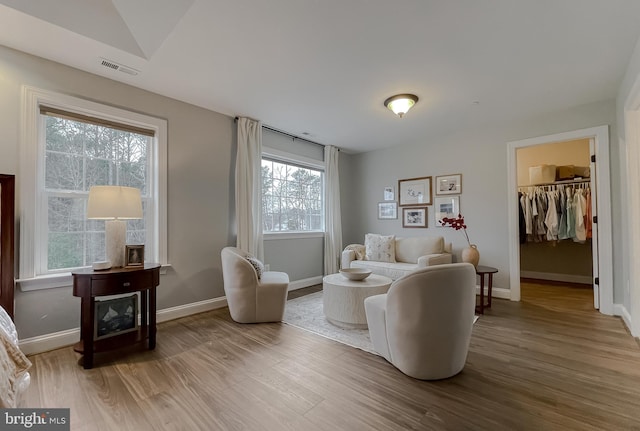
79	155
292	197
68	145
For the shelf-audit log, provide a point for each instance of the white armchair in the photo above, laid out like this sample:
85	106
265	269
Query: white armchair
252	297
423	324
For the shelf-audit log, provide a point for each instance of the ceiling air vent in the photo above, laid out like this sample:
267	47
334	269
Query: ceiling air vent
119	67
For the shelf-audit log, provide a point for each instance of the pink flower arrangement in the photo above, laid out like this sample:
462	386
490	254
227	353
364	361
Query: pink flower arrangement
457	224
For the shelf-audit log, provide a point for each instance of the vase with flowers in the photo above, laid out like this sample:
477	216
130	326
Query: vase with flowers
470	254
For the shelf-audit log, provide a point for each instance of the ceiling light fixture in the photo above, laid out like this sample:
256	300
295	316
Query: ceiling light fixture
401	103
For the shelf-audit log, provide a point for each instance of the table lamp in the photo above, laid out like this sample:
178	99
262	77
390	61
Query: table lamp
114	204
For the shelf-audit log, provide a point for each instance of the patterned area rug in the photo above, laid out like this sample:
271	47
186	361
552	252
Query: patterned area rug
306	313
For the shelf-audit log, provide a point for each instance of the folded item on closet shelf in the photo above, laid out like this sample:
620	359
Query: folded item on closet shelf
565	172
582	171
542	174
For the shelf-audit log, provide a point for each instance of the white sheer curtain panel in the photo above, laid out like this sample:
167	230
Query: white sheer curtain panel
248	187
333	222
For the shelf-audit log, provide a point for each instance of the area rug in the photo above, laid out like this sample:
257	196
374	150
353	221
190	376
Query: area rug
306	313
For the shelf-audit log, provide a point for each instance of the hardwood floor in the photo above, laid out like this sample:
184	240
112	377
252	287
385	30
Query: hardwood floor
549	362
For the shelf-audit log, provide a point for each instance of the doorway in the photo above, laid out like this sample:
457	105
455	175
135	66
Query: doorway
552	250
600	179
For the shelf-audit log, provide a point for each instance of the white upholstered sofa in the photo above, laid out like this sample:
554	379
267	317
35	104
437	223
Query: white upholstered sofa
394	257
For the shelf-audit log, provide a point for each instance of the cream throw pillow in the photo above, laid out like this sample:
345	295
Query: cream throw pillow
358	249
380	248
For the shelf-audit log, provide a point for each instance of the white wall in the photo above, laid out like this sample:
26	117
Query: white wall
631	77
199	168
200	193
480	155
201	206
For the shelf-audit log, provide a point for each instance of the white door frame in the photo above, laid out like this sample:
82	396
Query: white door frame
603	183
632	135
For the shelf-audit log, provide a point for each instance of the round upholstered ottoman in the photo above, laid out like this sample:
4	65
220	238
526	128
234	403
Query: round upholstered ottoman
343	299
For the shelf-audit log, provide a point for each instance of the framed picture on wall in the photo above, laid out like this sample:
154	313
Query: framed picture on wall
414	217
387	210
449	184
389	195
415	191
446	207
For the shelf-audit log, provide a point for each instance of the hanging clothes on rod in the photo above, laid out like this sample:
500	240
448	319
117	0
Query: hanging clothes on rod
554	212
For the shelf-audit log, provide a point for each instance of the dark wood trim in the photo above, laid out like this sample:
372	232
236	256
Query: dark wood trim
7	236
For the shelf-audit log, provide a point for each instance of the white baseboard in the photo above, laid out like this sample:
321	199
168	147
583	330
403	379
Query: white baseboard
44	343
305	282
620	310
185	310
496	292
567	278
56	340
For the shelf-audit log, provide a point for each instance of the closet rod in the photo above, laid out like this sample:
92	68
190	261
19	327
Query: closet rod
264	126
581	181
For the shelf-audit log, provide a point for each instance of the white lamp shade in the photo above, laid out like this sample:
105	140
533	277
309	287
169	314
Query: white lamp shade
114	202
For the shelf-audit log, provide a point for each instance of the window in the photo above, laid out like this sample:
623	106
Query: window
292	197
70	145
80	153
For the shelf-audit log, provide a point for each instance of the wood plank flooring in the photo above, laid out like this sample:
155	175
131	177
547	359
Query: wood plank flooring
549	362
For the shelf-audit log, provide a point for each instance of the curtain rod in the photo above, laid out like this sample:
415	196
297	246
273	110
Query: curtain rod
264	126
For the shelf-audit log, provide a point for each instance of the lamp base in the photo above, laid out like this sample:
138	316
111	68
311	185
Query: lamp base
116	237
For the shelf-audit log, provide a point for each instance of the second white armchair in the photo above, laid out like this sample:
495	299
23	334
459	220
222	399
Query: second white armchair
253	296
423	324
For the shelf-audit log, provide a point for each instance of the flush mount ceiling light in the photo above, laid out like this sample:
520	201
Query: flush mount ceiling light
401	103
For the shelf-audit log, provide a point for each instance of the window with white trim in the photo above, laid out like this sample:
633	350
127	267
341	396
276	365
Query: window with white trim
70	145
292	196
80	153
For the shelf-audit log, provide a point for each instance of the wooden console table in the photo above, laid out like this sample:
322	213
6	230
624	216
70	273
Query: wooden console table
88	284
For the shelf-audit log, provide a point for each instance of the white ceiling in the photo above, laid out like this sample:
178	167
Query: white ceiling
324	67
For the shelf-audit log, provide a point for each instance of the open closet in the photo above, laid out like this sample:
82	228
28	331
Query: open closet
555	200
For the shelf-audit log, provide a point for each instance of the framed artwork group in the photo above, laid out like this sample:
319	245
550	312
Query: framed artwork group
414	195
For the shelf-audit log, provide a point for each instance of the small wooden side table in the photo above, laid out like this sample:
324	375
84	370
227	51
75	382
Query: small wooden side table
88	284
482	270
